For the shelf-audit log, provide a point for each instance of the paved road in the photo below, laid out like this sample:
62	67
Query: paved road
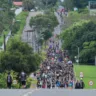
29	37
47	92
62	92
15	92
58	29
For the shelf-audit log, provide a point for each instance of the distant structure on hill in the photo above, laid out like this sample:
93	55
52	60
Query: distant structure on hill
92	8
19	4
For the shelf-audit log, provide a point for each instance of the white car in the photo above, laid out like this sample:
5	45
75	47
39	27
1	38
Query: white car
32	10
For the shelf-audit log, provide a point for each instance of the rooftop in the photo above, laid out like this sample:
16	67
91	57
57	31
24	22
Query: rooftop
18	3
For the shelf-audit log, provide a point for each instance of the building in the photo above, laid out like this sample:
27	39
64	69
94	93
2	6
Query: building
19	4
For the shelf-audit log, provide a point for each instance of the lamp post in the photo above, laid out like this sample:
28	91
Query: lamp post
78	49
78	55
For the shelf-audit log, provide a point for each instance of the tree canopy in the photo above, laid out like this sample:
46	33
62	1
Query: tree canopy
82	35
44	23
6	15
19	56
70	4
28	4
49	2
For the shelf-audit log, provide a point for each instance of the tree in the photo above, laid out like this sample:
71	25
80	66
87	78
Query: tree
68	4
47	34
80	3
42	21
83	35
28	4
6	15
44	24
19	56
49	2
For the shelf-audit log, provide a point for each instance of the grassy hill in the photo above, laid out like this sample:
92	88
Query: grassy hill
89	74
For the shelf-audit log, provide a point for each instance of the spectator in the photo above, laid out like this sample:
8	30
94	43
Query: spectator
77	85
9	80
23	79
69	62
82	85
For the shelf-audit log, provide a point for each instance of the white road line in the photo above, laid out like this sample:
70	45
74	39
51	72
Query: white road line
30	93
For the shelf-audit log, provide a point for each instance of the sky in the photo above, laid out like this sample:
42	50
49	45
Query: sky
62	0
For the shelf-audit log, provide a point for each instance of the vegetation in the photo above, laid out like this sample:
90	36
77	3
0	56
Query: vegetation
19	56
74	17
28	4
83	35
49	2
3	79
6	15
44	24
70	4
89	74
17	31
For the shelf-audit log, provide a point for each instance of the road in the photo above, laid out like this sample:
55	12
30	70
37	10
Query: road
61	92
47	92
58	29
29	36
14	92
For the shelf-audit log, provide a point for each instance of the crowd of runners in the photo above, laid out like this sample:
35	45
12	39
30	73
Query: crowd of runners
57	70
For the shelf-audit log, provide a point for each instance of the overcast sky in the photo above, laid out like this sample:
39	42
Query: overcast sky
62	0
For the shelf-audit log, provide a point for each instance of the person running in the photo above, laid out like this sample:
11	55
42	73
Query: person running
9	81
23	79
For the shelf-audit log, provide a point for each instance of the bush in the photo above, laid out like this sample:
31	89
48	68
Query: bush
28	82
84	11
16	28
3	79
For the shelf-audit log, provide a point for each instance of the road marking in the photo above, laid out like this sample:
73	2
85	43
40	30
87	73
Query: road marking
29	93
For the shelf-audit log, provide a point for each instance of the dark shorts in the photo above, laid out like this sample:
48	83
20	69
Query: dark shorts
23	82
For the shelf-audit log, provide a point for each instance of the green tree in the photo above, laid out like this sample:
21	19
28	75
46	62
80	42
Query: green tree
48	3
46	34
69	4
6	15
28	4
44	24
83	35
19	56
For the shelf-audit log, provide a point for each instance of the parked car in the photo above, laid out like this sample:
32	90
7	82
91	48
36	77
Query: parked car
32	10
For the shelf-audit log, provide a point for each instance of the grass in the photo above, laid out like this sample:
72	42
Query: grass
75	17
89	74
22	17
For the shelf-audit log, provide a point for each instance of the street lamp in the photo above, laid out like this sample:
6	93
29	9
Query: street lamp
77	57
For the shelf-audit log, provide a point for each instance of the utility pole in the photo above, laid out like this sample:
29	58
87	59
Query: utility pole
95	60
78	55
4	43
27	37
